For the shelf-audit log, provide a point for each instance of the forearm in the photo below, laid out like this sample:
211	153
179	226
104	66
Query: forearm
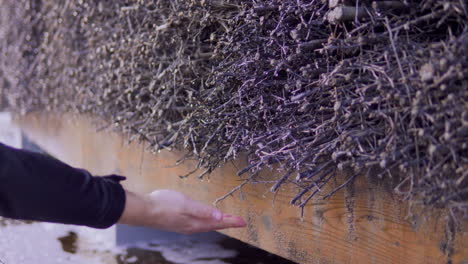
36	187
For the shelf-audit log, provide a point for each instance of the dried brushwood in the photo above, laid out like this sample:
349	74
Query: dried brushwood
381	90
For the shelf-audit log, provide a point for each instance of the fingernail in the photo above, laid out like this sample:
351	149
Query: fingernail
217	215
241	222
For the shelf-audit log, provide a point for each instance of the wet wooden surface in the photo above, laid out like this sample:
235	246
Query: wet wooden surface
361	224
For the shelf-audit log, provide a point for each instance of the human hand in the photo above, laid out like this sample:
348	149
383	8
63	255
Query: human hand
173	211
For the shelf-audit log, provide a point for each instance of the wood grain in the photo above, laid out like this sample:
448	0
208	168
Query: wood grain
360	224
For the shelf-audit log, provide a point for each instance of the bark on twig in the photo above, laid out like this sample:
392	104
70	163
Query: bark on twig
346	13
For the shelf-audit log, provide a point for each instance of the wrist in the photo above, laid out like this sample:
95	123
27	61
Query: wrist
138	210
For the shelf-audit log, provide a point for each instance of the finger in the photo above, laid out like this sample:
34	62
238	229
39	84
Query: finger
200	210
229	221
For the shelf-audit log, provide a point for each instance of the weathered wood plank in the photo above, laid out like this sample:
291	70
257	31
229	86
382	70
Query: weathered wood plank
370	228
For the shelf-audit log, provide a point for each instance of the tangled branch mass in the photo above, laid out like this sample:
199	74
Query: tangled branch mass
307	87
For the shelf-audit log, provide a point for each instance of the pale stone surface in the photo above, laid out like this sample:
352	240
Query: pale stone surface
9	134
38	243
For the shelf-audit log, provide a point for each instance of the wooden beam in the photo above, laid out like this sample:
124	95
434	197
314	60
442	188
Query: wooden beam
361	224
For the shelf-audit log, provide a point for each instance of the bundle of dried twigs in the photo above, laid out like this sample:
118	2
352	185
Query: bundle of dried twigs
377	87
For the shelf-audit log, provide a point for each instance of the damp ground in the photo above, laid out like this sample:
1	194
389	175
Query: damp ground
32	242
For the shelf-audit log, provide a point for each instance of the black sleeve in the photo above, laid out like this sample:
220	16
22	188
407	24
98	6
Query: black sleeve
41	188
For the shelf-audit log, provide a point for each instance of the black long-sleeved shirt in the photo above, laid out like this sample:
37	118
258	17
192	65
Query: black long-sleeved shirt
37	187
